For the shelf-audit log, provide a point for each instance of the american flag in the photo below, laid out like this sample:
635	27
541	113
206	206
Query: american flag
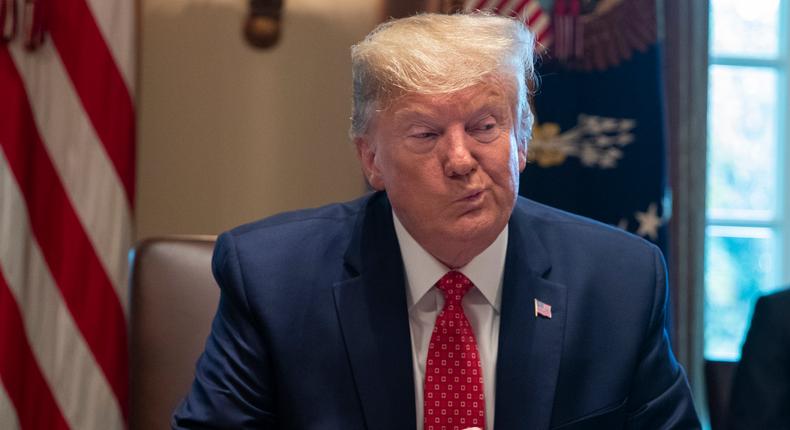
528	11
542	309
66	200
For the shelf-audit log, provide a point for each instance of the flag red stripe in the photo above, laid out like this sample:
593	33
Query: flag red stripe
500	5
99	83
535	15
75	267
26	387
543	34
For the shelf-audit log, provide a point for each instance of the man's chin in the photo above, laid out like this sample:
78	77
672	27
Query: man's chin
472	229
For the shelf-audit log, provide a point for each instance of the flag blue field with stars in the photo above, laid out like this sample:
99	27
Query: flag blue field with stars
598	146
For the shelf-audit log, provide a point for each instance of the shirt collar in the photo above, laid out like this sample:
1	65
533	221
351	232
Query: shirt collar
423	270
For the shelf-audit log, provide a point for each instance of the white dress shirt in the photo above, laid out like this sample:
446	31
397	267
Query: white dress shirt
481	306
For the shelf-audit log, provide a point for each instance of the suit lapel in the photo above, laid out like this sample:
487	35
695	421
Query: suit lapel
373	315
530	347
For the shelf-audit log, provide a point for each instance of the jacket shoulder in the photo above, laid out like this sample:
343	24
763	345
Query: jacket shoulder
316	237
303	218
778	299
772	309
555	224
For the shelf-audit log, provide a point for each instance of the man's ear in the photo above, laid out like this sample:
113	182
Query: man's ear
366	152
521	147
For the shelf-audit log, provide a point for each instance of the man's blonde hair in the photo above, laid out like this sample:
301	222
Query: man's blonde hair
441	54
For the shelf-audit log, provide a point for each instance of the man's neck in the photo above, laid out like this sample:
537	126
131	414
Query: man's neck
453	253
423	269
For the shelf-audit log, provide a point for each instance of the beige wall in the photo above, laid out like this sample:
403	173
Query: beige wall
227	133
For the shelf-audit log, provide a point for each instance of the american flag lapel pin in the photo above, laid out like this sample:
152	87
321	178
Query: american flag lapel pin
542	309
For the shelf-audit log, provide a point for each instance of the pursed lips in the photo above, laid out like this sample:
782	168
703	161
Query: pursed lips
472	195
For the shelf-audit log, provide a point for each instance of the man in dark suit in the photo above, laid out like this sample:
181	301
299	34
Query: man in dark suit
761	389
442	300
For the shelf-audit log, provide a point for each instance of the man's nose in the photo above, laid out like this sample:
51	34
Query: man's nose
459	159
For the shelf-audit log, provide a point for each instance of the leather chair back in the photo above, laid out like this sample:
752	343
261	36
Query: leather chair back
718	383
173	301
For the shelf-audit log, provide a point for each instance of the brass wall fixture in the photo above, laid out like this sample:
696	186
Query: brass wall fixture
262	26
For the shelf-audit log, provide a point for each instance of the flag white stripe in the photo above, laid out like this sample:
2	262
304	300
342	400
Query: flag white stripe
540	24
8	23
73	376
529	9
116	21
8	419
78	155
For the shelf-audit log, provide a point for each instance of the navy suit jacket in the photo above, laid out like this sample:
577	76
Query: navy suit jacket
761	387
312	329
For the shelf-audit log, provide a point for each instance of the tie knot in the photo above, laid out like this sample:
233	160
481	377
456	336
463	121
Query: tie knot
454	285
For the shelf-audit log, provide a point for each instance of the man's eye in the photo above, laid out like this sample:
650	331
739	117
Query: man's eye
424	135
487	126
485	131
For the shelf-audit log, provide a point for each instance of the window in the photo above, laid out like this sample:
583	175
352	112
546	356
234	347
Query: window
747	237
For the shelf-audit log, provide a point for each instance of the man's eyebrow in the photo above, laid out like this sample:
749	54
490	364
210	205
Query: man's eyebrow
413	112
409	112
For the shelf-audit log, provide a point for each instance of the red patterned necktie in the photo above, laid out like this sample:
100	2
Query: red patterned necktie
453	394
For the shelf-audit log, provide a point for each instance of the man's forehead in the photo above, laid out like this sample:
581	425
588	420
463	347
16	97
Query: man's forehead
472	98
